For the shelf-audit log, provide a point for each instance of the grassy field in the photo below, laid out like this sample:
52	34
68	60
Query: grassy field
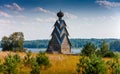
61	64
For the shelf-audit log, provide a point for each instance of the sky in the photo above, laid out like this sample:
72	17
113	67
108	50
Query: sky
84	18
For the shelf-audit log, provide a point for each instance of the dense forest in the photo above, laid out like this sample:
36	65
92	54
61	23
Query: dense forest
76	43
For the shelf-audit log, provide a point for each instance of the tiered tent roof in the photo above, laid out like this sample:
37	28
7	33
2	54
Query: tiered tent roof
59	33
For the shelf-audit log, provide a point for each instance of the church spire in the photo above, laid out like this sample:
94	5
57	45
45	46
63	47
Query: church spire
59	42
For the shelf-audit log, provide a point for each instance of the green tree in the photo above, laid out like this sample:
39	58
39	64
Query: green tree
6	43
17	40
91	65
88	49
14	42
105	50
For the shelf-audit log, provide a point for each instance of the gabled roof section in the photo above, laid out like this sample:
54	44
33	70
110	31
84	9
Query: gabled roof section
56	30
65	30
63	37
57	39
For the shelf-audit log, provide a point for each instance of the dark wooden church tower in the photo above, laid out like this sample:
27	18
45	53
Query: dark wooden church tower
59	42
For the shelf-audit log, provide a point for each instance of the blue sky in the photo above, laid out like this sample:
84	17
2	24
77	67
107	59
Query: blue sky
84	18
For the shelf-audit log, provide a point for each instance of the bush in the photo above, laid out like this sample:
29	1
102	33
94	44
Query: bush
91	65
35	68
42	60
109	54
27	58
10	64
114	65
17	58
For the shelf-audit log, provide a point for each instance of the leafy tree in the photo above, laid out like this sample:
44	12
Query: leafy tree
6	43
105	50
91	65
17	40
88	49
14	42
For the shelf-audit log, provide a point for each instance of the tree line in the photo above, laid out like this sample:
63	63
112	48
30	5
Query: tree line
76	43
16	41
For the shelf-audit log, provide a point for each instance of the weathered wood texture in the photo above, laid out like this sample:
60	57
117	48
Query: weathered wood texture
59	42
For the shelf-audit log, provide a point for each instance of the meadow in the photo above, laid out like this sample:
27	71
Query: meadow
60	63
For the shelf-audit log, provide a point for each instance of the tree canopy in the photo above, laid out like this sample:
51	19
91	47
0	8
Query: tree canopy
89	49
14	42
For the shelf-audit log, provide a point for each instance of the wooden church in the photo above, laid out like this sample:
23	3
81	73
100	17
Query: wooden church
59	42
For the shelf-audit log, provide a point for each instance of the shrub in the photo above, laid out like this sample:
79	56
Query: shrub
35	68
109	54
42	60
91	65
27	58
17	58
10	64
114	65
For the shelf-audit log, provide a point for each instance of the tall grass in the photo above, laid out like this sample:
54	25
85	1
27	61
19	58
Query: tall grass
60	63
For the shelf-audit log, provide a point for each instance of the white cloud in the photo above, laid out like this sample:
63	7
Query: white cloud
44	10
4	14
6	22
47	20
14	6
67	14
20	16
108	4
71	16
